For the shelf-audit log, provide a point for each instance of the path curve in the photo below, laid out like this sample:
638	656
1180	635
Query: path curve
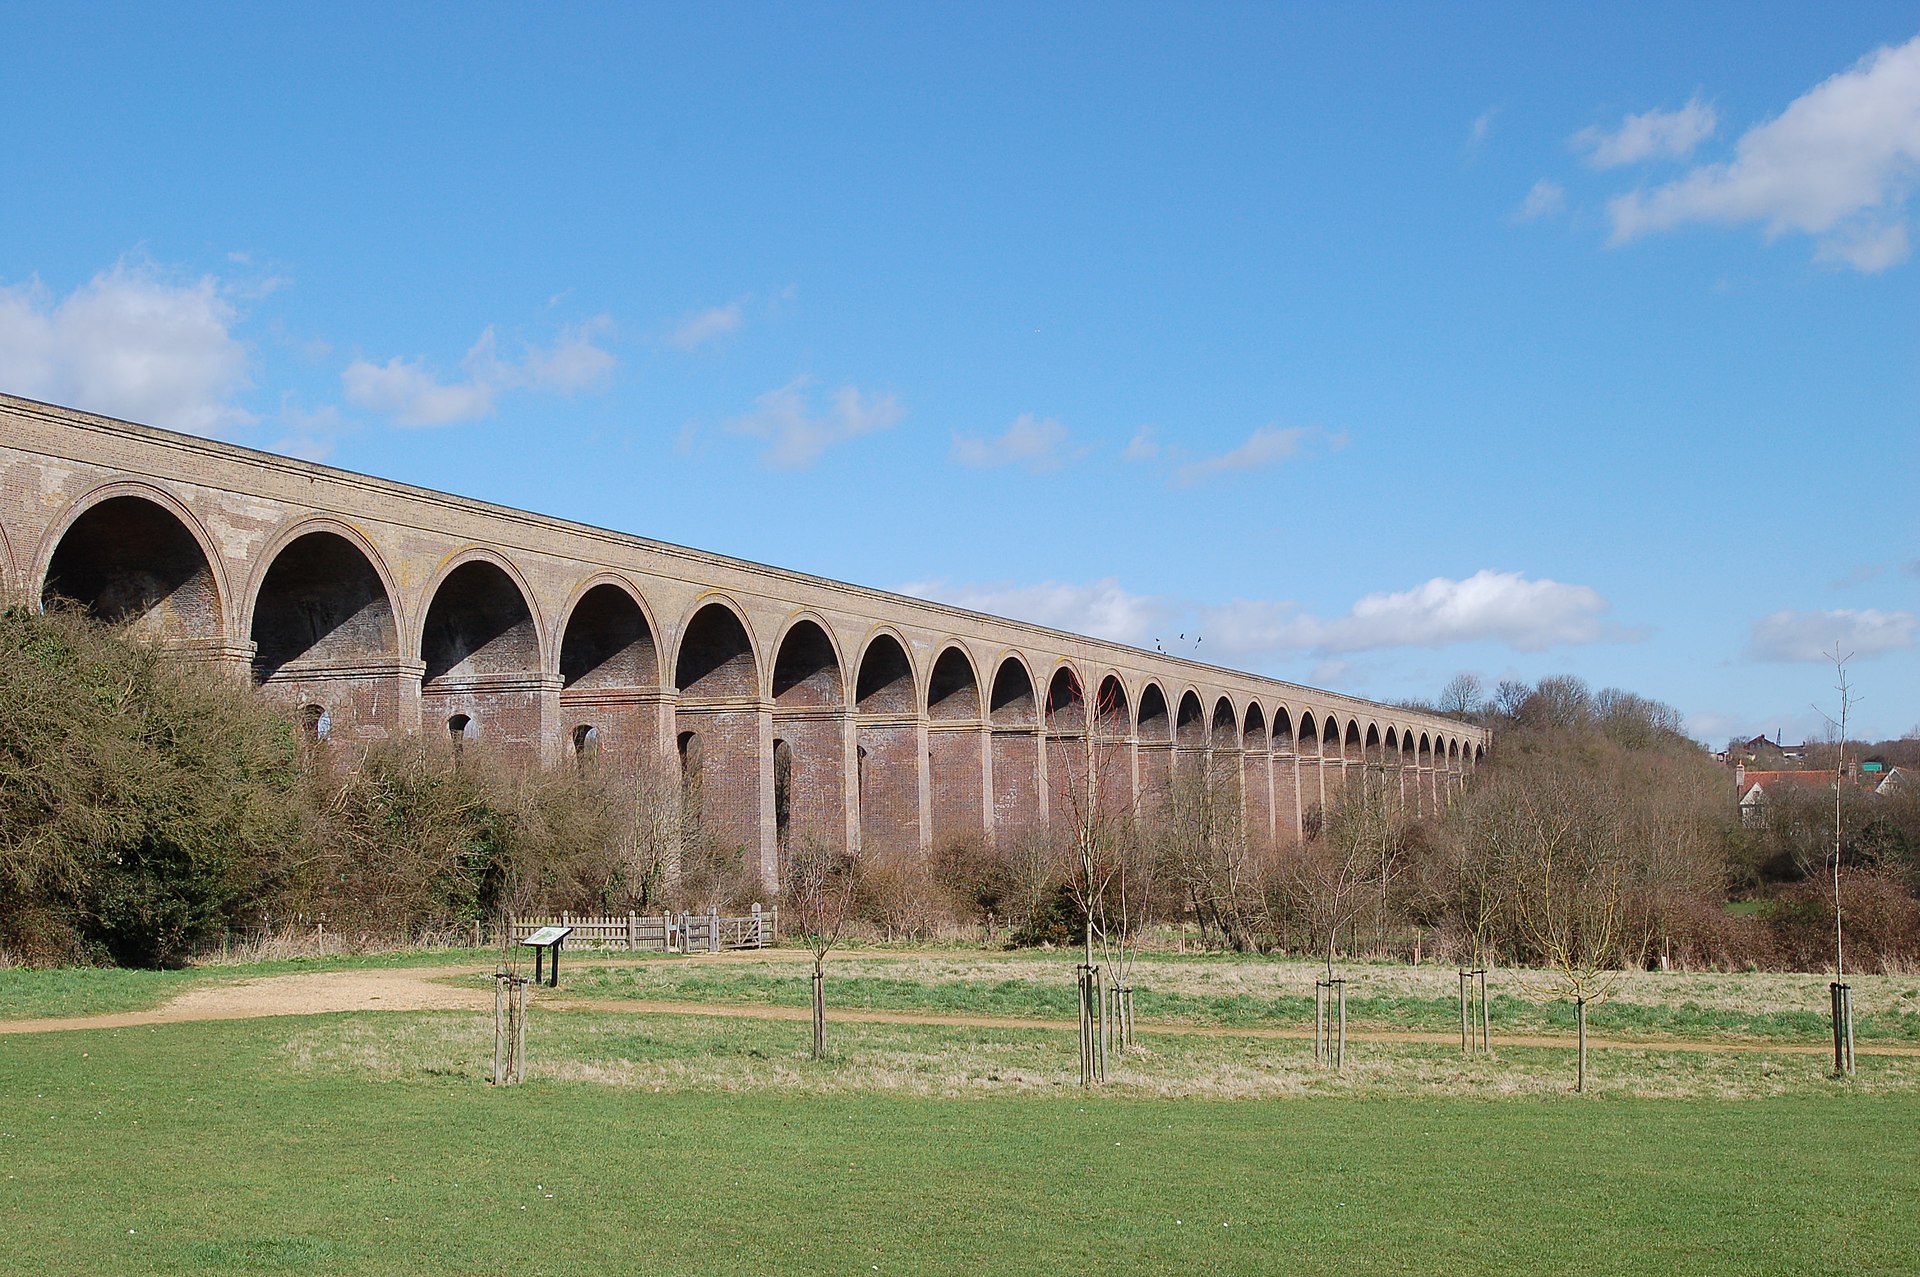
426	989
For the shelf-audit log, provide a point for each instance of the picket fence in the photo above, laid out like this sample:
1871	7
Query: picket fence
662	932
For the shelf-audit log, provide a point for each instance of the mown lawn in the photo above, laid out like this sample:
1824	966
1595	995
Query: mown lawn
370	1144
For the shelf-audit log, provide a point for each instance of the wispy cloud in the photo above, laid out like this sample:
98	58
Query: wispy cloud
702	327
1144	446
1102	609
1267	446
796	434
1505	608
1037	443
1544	199
1651	135
1812	636
1478	130
131	342
1839	164
412	394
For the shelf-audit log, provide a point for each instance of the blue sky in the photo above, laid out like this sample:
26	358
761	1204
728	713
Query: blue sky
1356	344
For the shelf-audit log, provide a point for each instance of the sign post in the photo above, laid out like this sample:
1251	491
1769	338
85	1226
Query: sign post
542	942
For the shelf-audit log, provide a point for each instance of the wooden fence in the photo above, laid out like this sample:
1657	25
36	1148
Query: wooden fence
662	932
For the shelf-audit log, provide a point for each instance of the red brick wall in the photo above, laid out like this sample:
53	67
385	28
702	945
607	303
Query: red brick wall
954	774
890	794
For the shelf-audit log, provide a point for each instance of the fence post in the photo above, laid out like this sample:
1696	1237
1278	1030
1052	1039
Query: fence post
713	929
758	938
633	931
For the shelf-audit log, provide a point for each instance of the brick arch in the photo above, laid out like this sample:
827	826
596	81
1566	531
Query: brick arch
807	670
885	681
1254	735
1280	731
714	654
322	593
1066	706
1014	699
1351	747
1153	718
527	640
608	636
1190	722
180	591
1112	707
953	687
8	567
1224	730
1306	737
1013	713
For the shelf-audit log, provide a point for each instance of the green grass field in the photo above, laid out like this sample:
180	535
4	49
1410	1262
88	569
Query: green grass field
250	1148
372	1143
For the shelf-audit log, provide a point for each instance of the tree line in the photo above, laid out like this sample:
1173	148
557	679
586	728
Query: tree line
149	804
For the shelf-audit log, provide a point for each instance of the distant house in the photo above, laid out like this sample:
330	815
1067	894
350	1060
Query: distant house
1768	755
1754	788
1872	776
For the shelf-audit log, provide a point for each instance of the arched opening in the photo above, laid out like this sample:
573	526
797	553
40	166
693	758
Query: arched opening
1352	750
1112	716
315	723
1226	728
607	643
806	670
783	795
1066	704
1286	777
482	654
586	745
716	657
718	678
1312	792
1012	703
321	603
808	698
884	684
1190	726
1154	730
692	782
1257	776
888	749
478	624
130	561
1016	755
953	693
460	729
607	654
1113	747
956	765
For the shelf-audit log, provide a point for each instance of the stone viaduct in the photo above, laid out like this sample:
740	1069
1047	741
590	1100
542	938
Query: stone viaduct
805	707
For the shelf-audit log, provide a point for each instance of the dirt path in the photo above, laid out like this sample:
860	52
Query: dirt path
425	989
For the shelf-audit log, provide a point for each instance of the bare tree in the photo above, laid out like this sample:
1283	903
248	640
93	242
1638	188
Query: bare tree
822	893
1463	696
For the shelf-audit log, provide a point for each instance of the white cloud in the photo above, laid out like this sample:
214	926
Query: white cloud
796	435
413	395
1143	446
1482	124
1545	198
1101	609
1811	636
1507	608
1267	446
1838	164
698	329
1038	443
128	343
1651	135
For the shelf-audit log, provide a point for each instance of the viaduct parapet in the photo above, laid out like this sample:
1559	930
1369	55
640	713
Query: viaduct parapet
804	708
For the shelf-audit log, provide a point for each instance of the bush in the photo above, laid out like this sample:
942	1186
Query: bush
144	802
